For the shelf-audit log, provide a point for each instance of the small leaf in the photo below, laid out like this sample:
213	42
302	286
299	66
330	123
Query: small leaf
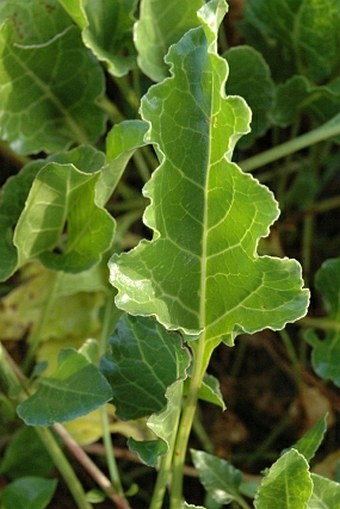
25	454
144	360
76	388
326	493
62	197
153	37
311	440
287	485
121	143
210	391
148	450
108	33
48	83
326	351
28	493
219	478
75	9
249	77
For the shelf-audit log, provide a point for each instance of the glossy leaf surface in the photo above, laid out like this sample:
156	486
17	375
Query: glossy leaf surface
309	443
206	215
326	351
61	224
287	485
48	82
76	388
144	360
153	37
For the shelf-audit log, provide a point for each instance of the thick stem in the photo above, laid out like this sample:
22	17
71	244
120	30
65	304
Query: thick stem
201	357
327	130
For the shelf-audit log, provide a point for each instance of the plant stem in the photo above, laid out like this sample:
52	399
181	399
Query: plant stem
163	476
110	458
64	467
201	357
96	474
327	130
293	356
318	323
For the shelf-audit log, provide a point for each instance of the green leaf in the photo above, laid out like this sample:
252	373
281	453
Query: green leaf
108	33
75	9
249	76
76	388
25	454
287	485
326	493
311	440
219	478
148	451
144	360
121	143
210	391
49	84
298	95
300	31
158	27
62	198
206	215
28	493
326	351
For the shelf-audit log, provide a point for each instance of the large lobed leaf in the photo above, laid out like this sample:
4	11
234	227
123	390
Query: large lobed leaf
201	270
48	80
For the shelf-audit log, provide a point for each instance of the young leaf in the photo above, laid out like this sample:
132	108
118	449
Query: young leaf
326	493
220	479
201	270
62	197
159	27
311	440
48	84
326	351
121	143
249	76
287	485
76	388
108	33
28	493
144	360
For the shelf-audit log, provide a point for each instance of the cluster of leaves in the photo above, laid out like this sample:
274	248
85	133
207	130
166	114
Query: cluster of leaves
69	70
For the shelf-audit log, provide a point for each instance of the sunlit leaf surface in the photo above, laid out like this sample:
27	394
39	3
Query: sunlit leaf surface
201	270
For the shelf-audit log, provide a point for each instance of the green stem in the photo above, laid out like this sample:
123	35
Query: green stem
307	240
163	476
318	323
107	440
64	467
111	109
292	355
201	357
327	130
